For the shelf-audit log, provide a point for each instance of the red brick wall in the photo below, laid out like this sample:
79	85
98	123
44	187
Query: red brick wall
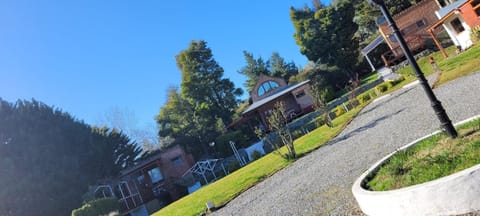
469	15
407	19
174	170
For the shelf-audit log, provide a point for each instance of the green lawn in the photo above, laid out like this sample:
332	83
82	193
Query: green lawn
456	65
227	188
369	78
433	158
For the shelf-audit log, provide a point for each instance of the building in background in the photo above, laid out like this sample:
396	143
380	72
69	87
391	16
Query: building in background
458	18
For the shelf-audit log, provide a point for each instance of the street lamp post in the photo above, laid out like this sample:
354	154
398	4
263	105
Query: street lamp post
446	124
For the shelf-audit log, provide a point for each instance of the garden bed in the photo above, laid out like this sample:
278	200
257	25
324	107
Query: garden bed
433	175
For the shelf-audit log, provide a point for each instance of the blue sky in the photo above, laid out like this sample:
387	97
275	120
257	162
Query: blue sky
88	56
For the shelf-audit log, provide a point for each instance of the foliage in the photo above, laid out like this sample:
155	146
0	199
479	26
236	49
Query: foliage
396	81
222	142
382	87
276	66
319	97
430	159
227	188
364	98
255	155
234	165
191	114
475	34
48	158
326	35
103	206
278	122
339	111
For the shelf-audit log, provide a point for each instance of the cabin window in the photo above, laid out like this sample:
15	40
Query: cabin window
300	94
392	38
476	6
420	23
141	179
457	25
475	3
267	87
155	174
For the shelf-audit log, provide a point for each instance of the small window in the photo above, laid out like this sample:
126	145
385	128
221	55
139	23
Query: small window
475	3
155	174
392	38
177	160
300	94
420	23
457	25
141	179
380	20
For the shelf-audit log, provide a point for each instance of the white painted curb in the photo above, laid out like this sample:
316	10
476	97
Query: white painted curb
416	82
458	193
381	98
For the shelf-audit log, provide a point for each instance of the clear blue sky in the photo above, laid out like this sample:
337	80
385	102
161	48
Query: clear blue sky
88	56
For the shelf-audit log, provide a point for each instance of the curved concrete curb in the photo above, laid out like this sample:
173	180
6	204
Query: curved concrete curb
458	193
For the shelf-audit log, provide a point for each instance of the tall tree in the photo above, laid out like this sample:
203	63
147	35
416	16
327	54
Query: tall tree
327	35
280	68
253	69
48	158
275	66
203	83
366	14
191	115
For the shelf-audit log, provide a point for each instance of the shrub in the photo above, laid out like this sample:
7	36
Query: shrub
339	111
255	155
396	81
103	206
320	120
475	34
382	87
364	98
234	165
222	145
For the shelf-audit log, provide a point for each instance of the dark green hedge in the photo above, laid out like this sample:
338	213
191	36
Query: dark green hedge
98	207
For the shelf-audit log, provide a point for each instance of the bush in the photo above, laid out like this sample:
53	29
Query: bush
364	98
222	145
382	87
396	81
255	155
103	206
339	111
234	165
320	121
475	34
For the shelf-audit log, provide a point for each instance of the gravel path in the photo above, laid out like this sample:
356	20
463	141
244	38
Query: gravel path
320	183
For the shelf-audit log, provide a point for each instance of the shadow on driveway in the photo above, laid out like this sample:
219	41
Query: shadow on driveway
371	124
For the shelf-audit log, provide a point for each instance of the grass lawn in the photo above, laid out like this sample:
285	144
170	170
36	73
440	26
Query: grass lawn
456	65
433	158
227	188
370	78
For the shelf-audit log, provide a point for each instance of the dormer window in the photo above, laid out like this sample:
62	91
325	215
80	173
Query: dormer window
267	87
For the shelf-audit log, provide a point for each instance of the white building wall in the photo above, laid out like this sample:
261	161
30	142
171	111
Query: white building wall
459	39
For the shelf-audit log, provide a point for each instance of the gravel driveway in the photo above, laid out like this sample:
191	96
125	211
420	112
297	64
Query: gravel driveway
320	183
